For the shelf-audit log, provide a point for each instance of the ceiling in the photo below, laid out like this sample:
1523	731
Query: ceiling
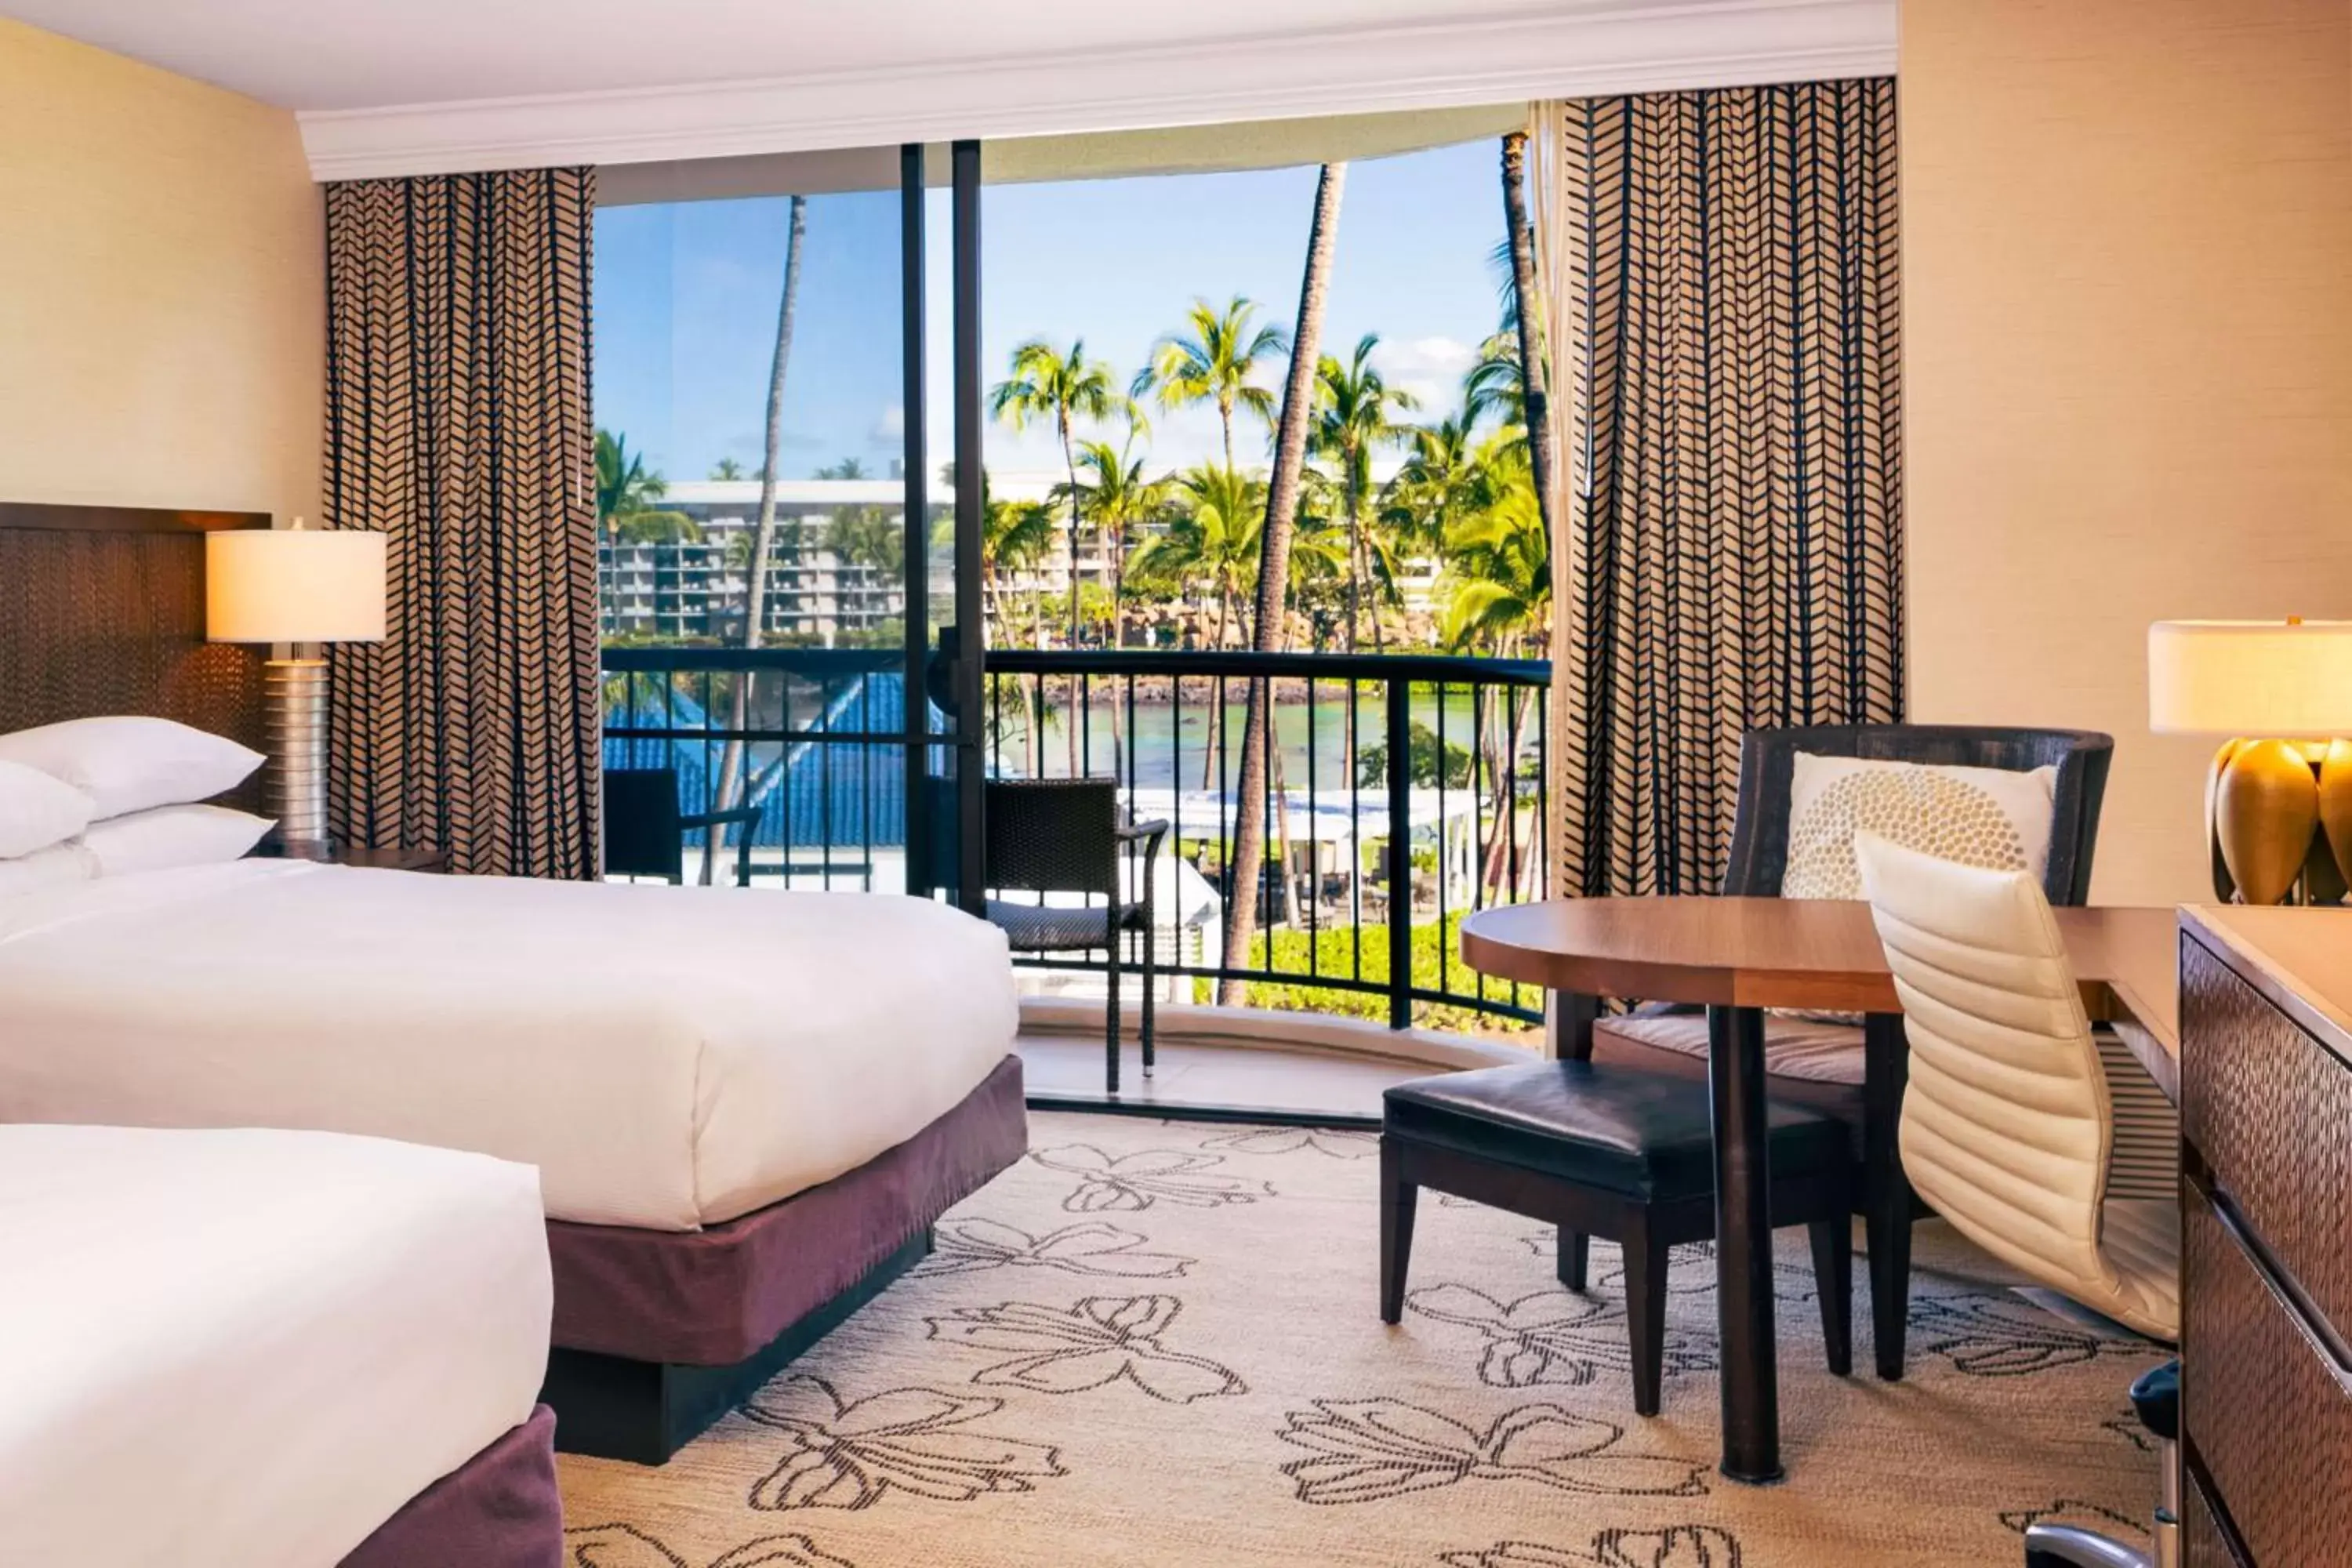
373	54
417	86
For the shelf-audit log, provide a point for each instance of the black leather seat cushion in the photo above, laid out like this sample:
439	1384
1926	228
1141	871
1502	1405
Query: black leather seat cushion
1644	1135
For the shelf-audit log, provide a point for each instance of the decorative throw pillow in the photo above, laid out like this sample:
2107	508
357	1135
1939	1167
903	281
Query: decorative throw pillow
126	763
1994	818
37	811
171	837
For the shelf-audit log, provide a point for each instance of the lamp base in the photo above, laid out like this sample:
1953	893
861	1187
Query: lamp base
295	690
2263	801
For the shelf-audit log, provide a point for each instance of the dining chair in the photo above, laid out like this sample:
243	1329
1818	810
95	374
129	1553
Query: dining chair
1065	836
1855	1071
645	831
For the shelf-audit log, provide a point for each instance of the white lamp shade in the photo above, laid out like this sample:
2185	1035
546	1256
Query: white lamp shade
294	585
2287	681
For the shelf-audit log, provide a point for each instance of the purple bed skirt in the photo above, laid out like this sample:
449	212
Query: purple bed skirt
498	1510
713	1297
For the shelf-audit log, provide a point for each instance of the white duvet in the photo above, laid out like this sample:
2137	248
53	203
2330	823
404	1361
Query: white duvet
666	1057
230	1348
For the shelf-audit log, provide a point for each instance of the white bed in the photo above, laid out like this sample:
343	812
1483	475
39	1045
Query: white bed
238	1348
669	1057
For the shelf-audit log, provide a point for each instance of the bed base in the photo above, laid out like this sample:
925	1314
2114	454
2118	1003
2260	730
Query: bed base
499	1509
612	1408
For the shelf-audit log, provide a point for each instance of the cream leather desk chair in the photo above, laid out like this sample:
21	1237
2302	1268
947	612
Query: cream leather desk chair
2007	1128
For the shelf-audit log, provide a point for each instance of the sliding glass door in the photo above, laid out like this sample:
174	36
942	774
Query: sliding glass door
780	559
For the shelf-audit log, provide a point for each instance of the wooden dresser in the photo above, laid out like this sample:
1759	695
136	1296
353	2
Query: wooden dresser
2266	1240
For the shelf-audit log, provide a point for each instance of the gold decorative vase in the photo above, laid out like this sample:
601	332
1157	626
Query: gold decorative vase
2265	799
2265	808
2335	806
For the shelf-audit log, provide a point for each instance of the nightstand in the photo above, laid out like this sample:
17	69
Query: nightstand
369	857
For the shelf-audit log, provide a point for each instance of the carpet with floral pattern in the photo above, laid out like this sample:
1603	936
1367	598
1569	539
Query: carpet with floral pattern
1157	1343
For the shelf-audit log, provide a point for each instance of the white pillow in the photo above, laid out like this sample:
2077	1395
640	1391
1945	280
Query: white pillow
168	836
126	763
1995	817
50	868
37	811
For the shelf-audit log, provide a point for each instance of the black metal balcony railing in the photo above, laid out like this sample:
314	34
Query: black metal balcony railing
1406	791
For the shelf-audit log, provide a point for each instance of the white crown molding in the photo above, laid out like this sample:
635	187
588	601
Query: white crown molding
1582	53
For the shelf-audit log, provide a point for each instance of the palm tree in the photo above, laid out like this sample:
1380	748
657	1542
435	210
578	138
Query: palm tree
1212	536
861	533
1216	522
622	484
1014	537
656	528
626	493
763	538
1214	363
1353	419
1500	558
1117	501
1274	571
726	468
1442	478
1496	385
1047	383
1526	318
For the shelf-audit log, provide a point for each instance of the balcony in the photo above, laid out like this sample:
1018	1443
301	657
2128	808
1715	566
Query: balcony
1407	791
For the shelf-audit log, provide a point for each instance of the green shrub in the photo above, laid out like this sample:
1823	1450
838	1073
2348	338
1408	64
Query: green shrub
1334	948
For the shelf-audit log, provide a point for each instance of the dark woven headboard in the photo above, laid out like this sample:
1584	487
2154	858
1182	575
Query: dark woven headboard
102	611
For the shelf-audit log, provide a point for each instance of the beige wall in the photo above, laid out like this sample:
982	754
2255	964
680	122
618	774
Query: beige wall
162	293
2127	275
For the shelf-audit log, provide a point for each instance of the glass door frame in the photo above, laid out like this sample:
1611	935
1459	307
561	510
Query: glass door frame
960	646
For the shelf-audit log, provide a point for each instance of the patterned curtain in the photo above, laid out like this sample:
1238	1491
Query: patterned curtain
1726	302
458	423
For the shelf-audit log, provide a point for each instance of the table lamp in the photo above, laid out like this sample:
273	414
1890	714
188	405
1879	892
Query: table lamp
2284	690
301	587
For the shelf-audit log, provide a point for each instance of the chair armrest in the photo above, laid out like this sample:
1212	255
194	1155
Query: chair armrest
1147	832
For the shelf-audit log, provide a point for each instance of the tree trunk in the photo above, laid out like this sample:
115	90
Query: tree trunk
1070	463
1355	558
1117	542
1213	733
1274	574
763	537
1531	325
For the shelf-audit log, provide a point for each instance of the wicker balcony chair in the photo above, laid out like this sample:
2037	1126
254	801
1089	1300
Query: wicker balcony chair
644	832
1064	835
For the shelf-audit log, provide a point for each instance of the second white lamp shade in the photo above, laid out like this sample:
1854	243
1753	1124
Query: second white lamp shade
294	585
2289	680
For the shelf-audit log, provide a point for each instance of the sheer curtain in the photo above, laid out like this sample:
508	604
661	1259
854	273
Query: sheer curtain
1721	282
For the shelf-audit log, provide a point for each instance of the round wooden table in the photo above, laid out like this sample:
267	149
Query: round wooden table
1737	957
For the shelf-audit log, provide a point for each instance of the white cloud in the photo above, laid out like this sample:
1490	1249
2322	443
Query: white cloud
1430	368
889	427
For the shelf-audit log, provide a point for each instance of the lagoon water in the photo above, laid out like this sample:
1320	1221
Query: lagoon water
1170	749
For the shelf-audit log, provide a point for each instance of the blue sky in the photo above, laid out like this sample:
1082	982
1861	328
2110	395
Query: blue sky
685	299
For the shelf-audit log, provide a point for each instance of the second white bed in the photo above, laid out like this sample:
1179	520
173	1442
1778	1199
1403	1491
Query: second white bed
226	1349
668	1057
